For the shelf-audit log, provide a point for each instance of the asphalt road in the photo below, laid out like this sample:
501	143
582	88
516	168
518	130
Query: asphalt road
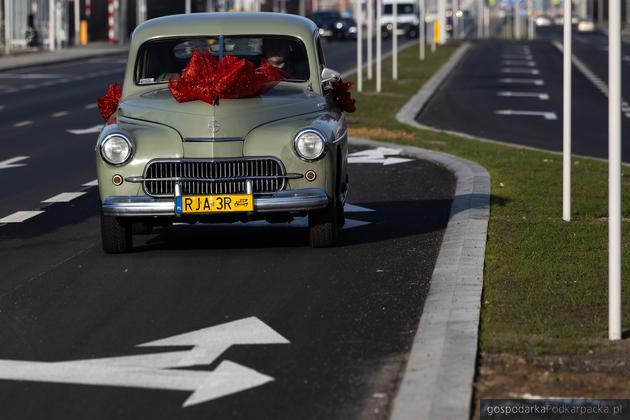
346	316
516	89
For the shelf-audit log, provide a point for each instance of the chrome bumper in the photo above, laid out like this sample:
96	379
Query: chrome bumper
282	201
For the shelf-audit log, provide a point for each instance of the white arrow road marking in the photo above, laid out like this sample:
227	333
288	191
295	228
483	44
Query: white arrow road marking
92	183
90	106
528	63
11	163
520	70
547	115
63	197
537	82
541	96
351	208
159	370
352	223
90	130
20	216
22	123
378	155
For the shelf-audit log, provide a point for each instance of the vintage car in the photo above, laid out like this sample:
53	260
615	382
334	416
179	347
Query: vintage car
273	156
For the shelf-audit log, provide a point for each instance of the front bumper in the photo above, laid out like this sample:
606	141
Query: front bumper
280	202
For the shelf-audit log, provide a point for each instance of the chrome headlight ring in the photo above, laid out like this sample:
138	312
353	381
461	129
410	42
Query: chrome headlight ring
117	148
309	144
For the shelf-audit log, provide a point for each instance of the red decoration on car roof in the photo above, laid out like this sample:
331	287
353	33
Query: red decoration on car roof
342	96
108	104
209	79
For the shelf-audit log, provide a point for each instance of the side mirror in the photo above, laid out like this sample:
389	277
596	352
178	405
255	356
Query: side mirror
329	75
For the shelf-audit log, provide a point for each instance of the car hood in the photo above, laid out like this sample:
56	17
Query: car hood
229	119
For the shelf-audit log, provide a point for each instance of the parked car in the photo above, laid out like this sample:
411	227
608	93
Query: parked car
273	156
586	25
543	20
345	28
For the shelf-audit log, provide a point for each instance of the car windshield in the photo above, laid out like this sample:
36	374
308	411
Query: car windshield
159	60
401	9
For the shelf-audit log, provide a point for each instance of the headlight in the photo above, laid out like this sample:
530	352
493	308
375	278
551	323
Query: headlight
116	148
309	145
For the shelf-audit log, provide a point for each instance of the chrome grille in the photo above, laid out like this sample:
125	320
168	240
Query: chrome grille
213	176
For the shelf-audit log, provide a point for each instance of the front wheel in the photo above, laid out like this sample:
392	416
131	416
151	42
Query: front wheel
323	226
116	234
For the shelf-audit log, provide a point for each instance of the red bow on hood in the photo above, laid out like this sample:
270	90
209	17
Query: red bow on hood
108	104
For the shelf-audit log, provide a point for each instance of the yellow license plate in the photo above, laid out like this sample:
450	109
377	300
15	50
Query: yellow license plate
214	203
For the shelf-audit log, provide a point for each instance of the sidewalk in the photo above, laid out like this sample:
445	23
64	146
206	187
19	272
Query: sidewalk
43	57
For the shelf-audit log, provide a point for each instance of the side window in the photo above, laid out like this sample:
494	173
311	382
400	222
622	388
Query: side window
320	53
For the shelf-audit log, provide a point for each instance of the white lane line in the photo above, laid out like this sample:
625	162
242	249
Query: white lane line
20	216
520	70
12	163
92	183
89	130
517	57
537	82
22	123
546	114
63	197
1	107
527	63
90	106
352	208
59	114
541	96
29	76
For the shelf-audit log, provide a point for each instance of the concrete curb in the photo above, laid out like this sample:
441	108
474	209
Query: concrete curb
438	379
47	58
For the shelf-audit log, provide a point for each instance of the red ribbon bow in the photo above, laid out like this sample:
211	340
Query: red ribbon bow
209	79
108	104
342	96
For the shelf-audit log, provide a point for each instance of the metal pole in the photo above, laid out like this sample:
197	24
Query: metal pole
480	19
370	36
77	22
614	170
530	20
359	19
395	40
566	115
303	7
423	41
188	6
486	22
51	25
433	23
442	20
379	41
8	26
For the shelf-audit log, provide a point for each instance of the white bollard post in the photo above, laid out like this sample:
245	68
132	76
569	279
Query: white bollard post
8	26
370	36
395	40
379	41
359	19
421	26
614	170
479	19
188	6
51	25
566	115
530	20
442	20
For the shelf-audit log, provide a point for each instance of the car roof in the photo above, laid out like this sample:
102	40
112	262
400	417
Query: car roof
200	24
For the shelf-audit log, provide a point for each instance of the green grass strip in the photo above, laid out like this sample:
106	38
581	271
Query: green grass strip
545	285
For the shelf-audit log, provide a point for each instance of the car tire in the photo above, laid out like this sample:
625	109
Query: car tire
116	234
323	226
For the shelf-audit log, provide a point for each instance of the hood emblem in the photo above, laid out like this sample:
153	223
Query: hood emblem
214	126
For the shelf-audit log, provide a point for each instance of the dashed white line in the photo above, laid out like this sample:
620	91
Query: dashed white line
90	106
92	183
528	63
22	123
545	114
63	197
537	82
514	70
29	76
20	216
541	96
59	114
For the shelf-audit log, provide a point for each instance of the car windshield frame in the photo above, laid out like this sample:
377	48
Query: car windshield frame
140	56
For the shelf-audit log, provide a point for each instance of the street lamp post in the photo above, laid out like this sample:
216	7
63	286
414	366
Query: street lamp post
614	170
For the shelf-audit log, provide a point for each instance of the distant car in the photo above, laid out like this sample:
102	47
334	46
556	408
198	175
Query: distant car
586	25
558	20
326	21
407	18
345	28
543	20
274	155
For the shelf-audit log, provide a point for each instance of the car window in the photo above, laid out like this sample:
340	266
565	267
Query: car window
320	53
401	9
159	60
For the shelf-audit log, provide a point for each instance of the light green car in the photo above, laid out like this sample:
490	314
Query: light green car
274	156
